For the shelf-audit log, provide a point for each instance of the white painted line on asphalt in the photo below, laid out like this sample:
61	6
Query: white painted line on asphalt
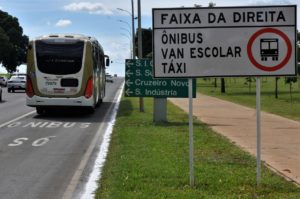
91	186
76	177
16	119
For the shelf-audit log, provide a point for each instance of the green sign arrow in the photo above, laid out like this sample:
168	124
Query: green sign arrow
139	82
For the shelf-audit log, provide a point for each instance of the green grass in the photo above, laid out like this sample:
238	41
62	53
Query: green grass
148	160
239	92
4	75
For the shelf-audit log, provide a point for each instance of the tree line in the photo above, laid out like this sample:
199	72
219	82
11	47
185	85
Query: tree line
13	43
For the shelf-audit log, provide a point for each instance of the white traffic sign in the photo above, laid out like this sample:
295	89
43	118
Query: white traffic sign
224	41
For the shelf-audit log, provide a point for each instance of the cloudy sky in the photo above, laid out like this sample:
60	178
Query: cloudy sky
101	19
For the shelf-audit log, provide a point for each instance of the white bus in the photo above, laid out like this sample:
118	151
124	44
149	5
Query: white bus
65	70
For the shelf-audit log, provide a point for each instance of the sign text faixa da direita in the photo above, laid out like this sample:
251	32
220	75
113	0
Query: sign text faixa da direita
236	17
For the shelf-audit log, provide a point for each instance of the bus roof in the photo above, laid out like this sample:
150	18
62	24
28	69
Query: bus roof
70	36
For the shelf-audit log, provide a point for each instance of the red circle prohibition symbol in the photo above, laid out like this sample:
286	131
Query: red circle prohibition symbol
283	62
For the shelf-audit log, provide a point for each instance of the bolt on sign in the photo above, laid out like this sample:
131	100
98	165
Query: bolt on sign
224	41
139	82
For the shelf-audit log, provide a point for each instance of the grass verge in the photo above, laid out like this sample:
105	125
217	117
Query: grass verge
242	92
148	160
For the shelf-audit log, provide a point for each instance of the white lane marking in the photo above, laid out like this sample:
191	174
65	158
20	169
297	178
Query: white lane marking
18	142
91	185
16	119
76	177
49	125
37	143
42	141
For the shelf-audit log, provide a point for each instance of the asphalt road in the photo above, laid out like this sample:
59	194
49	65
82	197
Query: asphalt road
49	156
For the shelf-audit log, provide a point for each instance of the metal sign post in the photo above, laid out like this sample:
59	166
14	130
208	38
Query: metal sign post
191	138
140	51
258	133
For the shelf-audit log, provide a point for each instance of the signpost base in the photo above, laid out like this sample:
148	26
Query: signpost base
160	110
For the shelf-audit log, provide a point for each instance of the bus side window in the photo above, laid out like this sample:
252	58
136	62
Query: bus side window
98	61
95	58
101	60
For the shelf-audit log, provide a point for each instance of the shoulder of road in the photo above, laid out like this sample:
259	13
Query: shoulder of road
151	159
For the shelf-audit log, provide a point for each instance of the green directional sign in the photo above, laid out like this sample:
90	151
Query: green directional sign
139	82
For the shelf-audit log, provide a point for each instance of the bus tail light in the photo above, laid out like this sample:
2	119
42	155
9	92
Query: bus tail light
29	87
89	88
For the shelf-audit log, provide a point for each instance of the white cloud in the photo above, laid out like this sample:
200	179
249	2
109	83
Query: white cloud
116	48
92	8
63	23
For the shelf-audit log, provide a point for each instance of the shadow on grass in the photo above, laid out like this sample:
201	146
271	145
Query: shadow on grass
177	124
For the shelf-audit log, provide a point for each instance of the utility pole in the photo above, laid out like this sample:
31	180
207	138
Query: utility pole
133	34
140	52
132	26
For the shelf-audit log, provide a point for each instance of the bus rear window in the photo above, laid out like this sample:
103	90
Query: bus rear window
59	58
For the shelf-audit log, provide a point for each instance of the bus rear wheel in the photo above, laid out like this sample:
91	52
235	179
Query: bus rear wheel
40	110
90	110
100	100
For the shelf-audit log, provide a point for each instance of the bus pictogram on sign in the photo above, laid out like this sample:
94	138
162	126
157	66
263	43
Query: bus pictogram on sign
269	48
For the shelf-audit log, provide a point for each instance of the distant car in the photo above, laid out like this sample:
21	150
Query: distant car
109	78
115	75
0	94
3	81
16	82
